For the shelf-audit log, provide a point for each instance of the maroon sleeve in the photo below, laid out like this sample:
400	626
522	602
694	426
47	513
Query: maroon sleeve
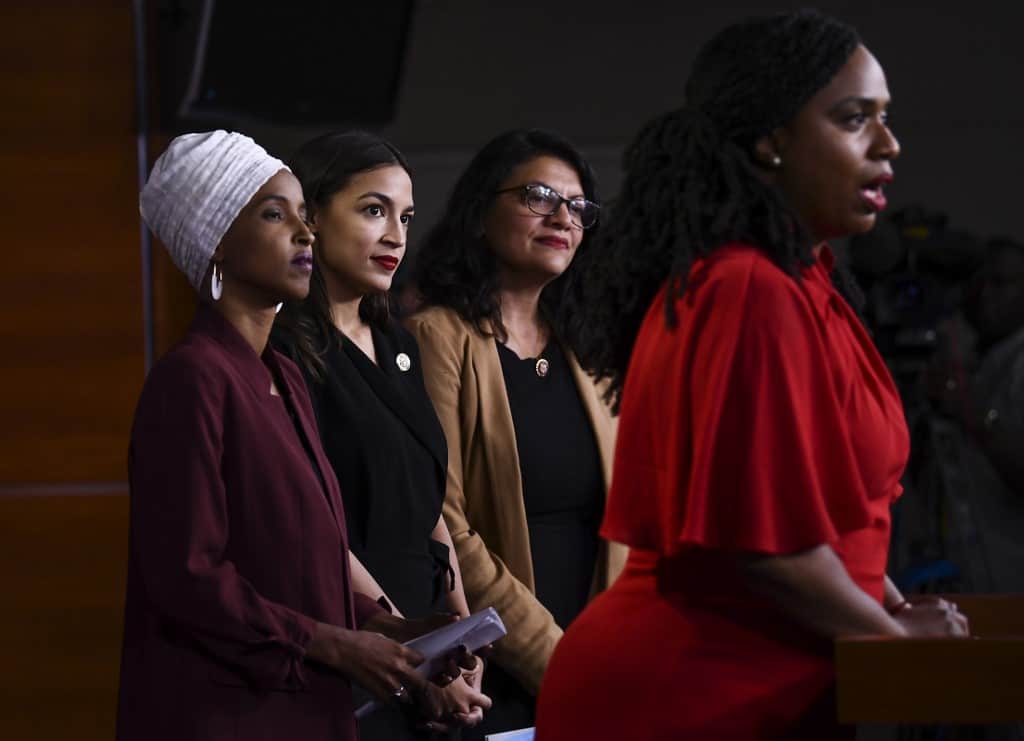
365	607
179	529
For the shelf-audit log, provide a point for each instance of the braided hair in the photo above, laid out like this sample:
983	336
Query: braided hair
692	184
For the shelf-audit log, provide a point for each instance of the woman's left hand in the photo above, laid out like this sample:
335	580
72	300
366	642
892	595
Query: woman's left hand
930	616
462	702
474	677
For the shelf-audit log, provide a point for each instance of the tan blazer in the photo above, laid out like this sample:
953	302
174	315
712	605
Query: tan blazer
484	505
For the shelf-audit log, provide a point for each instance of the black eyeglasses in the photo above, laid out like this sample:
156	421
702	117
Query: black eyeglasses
544	201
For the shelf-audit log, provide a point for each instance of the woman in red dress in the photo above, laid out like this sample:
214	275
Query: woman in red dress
761	439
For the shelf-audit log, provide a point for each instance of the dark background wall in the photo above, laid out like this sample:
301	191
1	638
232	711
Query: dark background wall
71	318
597	71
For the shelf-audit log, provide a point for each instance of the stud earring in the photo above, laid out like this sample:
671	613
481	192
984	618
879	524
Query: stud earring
216	283
776	161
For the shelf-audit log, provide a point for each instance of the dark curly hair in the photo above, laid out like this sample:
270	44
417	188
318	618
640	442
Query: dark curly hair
454	265
692	183
324	166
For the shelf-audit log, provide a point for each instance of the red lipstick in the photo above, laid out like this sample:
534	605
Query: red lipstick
388	262
557	243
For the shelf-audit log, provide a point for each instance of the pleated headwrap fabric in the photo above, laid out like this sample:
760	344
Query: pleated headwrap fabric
197	188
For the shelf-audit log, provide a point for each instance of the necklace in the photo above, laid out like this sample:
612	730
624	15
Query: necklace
541	366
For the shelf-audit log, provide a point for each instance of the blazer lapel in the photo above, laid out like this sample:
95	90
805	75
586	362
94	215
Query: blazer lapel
310	439
258	372
395	388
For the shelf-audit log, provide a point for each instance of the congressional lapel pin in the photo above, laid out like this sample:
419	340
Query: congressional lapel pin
403	362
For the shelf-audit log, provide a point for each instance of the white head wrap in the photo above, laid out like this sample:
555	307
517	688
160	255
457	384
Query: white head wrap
197	188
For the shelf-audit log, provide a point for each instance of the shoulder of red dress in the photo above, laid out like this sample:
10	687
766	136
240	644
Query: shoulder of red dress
742	268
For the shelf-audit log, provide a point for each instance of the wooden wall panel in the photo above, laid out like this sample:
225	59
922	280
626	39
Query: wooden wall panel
174	300
70	294
71	342
62	567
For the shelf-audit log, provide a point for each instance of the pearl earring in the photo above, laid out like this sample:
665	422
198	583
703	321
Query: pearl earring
776	160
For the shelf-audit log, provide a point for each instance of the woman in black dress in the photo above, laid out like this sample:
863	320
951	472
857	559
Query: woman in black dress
530	440
376	421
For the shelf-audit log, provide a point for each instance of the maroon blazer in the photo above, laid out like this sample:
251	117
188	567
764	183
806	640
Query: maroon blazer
237	547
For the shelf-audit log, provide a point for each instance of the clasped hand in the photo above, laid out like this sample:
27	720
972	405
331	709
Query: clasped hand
451	698
928	616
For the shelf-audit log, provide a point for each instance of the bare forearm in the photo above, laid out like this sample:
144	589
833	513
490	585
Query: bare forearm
813	588
363	581
893	596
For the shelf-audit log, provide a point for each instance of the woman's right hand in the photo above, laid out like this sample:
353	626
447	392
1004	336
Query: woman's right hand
387	669
467	690
932	617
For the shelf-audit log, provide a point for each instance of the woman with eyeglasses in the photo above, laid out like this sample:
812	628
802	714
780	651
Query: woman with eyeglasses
529	440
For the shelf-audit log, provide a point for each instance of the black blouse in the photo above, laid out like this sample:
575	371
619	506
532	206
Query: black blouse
388	451
563	488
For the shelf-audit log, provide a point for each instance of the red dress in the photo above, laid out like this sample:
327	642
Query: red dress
765	421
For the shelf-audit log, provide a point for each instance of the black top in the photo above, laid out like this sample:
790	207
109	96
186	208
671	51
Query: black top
387	448
562	484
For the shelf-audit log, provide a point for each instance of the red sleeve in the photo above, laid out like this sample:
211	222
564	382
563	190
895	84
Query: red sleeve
756	455
179	530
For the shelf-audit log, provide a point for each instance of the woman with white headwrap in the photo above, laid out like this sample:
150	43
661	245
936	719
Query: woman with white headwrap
239	618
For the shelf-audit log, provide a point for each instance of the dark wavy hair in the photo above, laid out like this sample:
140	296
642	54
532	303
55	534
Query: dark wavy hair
456	268
324	166
692	183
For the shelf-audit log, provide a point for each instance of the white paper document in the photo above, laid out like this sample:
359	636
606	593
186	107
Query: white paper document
474	632
523	734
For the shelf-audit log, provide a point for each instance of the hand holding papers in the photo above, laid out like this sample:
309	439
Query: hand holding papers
474	633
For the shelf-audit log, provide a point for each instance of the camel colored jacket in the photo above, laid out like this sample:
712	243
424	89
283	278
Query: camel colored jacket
483	504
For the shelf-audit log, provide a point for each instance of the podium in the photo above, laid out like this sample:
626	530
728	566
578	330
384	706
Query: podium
976	680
